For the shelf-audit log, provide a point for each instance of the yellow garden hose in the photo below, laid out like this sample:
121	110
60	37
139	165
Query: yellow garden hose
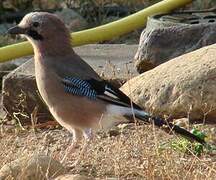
101	33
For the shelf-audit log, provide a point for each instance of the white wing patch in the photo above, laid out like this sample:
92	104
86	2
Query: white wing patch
109	92
119	110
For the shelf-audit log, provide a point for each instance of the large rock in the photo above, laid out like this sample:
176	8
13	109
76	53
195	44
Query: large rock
80	177
73	177
159	45
72	19
7	67
20	95
34	168
182	87
4	27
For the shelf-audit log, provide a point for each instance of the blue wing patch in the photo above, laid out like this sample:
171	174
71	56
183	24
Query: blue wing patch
79	87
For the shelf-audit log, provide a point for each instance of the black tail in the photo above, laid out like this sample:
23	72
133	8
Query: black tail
177	129
159	122
123	100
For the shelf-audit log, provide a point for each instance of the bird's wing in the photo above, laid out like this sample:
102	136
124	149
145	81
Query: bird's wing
95	89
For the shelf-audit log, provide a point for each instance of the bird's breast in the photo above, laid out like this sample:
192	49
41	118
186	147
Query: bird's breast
48	83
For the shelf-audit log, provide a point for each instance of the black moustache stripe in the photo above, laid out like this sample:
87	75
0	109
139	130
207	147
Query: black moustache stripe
35	35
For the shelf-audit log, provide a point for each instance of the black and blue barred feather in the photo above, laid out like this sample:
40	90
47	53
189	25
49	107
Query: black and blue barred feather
93	89
79	87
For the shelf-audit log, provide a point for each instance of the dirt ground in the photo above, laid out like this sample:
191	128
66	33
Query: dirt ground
130	152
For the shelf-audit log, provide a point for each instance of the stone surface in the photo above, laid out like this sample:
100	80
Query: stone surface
34	168
182	87
4	27
20	96
183	122
73	177
9	66
159	45
72	19
6	68
80	177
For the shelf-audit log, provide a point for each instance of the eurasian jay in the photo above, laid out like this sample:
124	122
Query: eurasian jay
74	93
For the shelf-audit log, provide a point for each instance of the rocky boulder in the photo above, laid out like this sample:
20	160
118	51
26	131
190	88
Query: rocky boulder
158	45
4	27
20	96
72	19
182	87
73	177
34	168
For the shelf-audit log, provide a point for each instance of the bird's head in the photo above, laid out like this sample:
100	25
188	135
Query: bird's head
45	31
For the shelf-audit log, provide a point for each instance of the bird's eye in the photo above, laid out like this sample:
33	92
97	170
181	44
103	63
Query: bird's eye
36	24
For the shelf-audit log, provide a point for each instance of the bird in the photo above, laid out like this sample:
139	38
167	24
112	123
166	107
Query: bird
77	97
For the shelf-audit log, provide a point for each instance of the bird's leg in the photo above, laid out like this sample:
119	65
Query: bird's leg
77	137
88	135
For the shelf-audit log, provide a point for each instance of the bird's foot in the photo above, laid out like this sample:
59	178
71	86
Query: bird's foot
75	164
69	150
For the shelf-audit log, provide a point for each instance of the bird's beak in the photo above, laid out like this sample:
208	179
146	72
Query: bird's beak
16	30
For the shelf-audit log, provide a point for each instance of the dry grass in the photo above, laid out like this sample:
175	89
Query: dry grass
137	152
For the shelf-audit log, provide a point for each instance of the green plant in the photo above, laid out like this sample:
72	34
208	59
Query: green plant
185	146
